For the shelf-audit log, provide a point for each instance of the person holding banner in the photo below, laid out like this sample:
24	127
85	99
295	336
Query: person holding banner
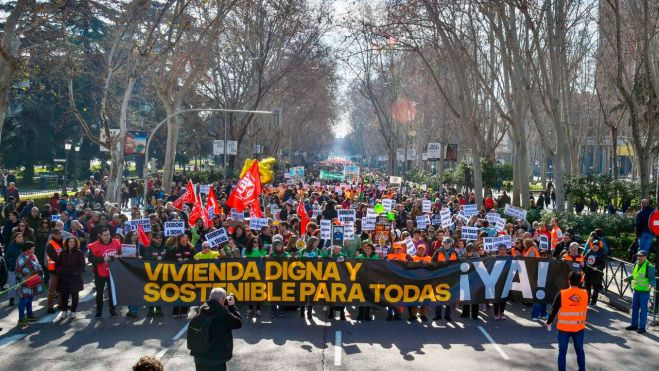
254	249
334	253
499	306
445	254
575	260
422	310
538	310
181	250
368	252
595	260
156	251
100	253
397	253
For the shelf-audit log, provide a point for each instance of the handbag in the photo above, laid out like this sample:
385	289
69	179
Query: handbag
33	281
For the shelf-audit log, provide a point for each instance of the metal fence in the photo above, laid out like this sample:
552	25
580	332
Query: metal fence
615	273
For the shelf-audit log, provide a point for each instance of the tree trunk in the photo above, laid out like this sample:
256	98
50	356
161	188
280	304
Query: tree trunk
614	152
478	176
543	168
117	151
173	126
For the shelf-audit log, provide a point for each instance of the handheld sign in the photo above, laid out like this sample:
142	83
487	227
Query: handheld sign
492	217
436	220
349	231
445	215
55	218
236	215
128	251
470	233
515	212
325	229
131	225
368	224
491	244
426	206
411	248
174	228
388	204
204	188
544	243
217	237
500	224
470	210
347	215
463	218
257	223
338	231
422	221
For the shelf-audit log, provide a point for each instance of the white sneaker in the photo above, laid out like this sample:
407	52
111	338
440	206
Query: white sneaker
64	314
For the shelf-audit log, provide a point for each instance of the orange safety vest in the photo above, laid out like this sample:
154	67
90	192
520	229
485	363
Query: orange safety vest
400	256
58	250
417	258
441	257
515	252
555	239
532	252
572	314
575	263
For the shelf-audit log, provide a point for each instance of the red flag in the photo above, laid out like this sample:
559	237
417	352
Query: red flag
211	203
188	197
247	190
255	209
142	236
304	217
197	212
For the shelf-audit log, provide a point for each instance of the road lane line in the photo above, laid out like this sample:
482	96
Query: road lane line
181	332
337	349
494	344
9	340
49	318
162	353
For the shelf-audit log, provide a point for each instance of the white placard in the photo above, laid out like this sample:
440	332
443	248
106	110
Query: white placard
55	218
257	223
492	217
349	231
426	206
411	248
370	213
237	215
491	243
325	229
544	243
346	215
368	224
515	212
131	225
422	221
204	188
395	180
216	237
388	203
275	213
463	218
128	251
470	233
500	224
470	210
174	228
445	215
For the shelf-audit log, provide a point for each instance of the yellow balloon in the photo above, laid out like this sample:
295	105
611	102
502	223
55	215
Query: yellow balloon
265	171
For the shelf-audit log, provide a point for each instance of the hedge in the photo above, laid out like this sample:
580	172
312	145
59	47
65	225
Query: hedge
612	225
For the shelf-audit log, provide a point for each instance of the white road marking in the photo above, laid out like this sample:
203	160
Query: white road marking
9	340
162	353
494	344
48	318
337	349
88	297
181	332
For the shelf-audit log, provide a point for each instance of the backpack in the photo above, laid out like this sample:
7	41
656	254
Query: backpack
199	337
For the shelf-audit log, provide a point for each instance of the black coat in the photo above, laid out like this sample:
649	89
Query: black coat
224	320
69	268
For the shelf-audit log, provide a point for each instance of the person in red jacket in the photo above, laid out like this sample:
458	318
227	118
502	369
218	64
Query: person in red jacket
100	253
489	202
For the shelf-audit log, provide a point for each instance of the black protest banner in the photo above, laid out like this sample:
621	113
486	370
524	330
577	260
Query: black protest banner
353	281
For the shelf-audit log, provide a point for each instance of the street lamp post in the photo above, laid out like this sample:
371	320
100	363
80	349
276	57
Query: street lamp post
76	149
67	149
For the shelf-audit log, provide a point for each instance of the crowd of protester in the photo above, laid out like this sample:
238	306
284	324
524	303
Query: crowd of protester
59	239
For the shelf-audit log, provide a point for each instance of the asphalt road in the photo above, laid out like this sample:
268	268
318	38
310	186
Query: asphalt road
294	343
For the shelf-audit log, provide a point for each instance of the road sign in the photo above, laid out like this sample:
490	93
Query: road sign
218	147
653	222
232	147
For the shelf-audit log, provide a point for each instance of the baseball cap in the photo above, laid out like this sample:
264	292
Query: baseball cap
641	253
447	239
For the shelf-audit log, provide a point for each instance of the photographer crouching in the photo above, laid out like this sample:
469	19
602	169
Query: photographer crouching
209	334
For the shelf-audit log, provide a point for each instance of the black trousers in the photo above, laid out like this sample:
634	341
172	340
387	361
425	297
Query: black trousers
593	282
100	283
67	292
221	367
